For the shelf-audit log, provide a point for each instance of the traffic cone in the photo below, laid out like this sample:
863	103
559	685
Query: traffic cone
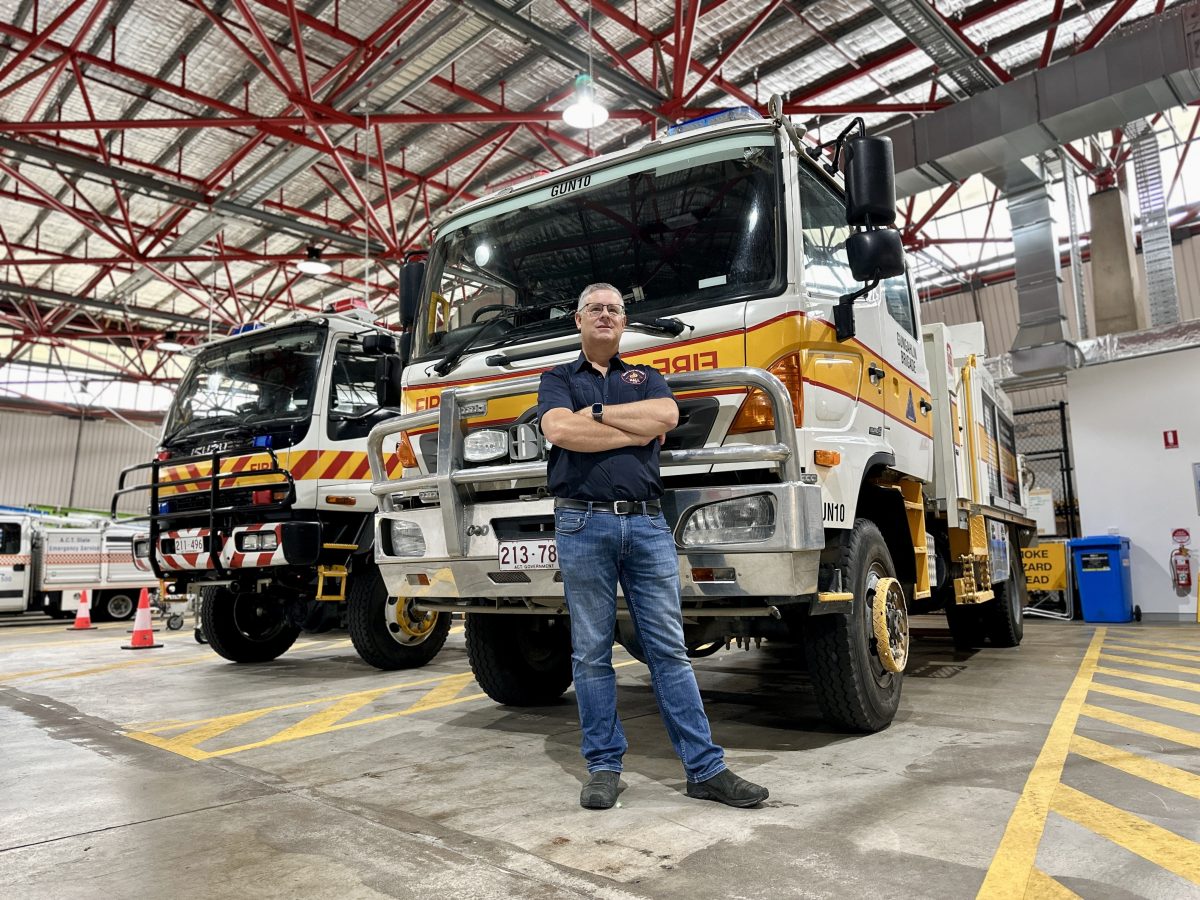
143	634
83	615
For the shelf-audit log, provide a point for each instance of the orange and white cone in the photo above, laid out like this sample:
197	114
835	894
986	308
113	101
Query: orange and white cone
143	634
83	615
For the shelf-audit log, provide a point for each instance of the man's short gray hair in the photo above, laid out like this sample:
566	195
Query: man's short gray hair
594	289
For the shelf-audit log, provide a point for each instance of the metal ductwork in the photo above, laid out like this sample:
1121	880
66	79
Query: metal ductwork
1041	346
1141	70
1158	257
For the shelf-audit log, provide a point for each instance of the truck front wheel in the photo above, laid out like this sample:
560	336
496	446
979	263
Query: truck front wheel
385	631
245	627
853	687
520	660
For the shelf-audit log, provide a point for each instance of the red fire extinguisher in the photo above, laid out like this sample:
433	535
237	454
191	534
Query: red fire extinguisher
1181	569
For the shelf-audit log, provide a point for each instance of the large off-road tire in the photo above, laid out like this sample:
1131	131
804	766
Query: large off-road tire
520	660
1002	616
245	628
853	688
385	631
115	606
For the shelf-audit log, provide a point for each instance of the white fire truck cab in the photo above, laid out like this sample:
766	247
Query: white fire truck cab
801	486
279	541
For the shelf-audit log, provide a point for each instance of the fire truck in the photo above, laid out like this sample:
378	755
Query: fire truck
836	468
46	561
259	497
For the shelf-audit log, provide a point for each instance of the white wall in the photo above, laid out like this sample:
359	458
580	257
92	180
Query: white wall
39	463
1125	478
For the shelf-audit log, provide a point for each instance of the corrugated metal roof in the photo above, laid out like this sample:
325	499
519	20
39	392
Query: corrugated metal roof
168	244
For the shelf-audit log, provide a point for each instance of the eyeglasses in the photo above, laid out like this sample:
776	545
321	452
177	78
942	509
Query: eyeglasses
595	310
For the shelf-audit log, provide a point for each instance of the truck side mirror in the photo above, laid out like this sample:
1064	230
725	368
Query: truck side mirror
378	344
411	276
874	255
870	182
389	371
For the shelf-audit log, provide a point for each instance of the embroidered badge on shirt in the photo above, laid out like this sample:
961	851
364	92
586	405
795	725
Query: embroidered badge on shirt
633	376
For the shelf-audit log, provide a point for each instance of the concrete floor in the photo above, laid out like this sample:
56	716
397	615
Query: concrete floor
171	772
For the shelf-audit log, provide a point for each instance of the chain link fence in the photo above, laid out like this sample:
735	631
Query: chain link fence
1044	441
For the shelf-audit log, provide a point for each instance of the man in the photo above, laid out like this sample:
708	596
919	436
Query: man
605	420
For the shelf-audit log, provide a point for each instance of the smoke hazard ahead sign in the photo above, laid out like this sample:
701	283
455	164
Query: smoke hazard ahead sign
1046	566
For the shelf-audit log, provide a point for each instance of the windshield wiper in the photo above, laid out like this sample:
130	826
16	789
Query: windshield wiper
202	427
450	360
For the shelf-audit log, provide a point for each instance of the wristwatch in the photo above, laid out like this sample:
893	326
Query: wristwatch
598	412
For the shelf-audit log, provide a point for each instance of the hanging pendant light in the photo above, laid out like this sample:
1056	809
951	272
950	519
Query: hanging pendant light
169	343
585	111
312	264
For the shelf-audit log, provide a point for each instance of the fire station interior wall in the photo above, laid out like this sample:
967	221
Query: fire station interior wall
54	460
1127	480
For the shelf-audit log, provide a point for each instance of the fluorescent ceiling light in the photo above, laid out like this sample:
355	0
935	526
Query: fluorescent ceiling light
312	264
584	111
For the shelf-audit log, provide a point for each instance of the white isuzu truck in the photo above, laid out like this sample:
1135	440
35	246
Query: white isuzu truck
259	497
835	468
46	561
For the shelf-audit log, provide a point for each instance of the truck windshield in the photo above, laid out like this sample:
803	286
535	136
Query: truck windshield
694	226
259	378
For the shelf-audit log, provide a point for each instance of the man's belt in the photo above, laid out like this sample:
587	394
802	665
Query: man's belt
619	507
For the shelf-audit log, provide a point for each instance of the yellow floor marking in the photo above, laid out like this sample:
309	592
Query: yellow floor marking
1178	683
1164	848
447	690
457	629
1183	706
1145	726
106	668
1150	664
1042	886
29	674
1158	645
185	744
66	626
1176	779
333	699
322	722
1012	866
1165	654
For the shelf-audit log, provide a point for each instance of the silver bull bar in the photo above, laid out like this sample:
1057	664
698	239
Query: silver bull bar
797	498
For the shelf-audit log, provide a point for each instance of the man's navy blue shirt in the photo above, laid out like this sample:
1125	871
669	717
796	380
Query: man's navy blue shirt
626	473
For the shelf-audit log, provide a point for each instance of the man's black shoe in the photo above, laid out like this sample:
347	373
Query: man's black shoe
600	792
727	788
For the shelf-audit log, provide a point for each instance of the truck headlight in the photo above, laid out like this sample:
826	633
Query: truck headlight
739	521
257	540
407	539
485	445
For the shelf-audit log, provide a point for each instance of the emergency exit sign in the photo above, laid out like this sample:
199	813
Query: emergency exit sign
1171	440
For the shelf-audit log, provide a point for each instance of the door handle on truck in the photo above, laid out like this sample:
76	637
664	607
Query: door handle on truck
926	406
875	373
19	567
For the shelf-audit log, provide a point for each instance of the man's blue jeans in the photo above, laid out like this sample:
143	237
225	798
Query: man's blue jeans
596	550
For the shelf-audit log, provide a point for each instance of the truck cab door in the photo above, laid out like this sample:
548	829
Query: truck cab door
906	394
843	395
344	475
15	565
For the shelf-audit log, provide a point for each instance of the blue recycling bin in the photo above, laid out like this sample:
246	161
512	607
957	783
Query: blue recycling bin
1102	574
